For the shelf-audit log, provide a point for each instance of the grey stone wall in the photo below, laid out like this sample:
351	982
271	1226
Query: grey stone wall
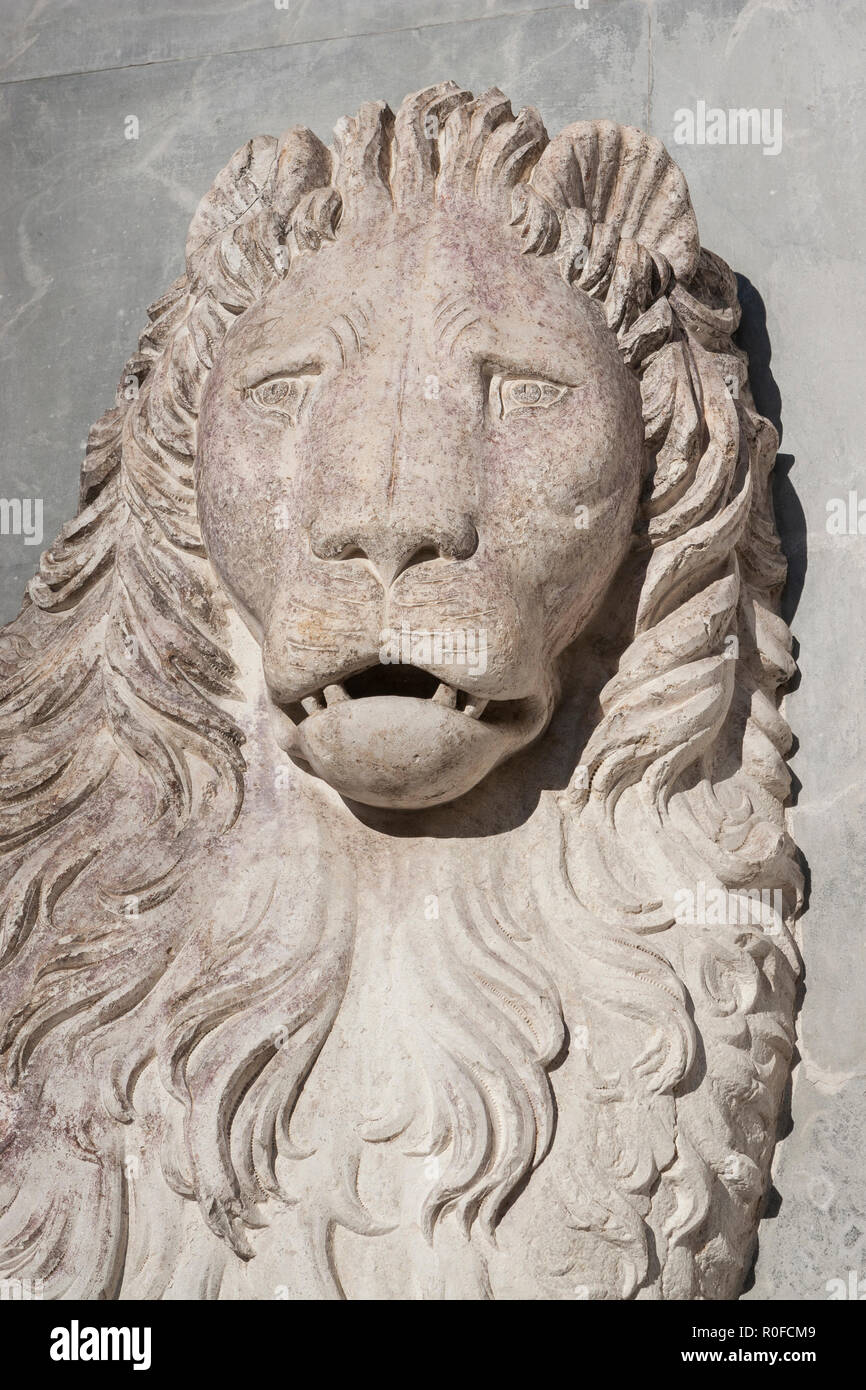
92	227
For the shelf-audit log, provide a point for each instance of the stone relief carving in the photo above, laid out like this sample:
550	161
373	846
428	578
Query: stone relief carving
397	894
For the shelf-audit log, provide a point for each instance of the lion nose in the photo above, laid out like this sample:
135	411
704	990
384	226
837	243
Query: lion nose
388	553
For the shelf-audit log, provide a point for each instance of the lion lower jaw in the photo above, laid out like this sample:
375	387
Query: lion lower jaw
402	752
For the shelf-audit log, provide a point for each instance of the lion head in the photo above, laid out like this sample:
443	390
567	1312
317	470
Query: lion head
414	652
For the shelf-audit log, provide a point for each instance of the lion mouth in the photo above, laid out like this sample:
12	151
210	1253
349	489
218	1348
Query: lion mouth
408	682
355	734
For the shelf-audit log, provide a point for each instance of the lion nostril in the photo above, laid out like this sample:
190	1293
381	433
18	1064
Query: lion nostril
422	555
389	552
466	546
330	549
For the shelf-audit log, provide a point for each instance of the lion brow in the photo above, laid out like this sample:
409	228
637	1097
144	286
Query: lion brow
334	329
448	304
454	314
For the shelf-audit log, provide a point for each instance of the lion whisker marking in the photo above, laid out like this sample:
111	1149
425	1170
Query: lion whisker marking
445	306
449	322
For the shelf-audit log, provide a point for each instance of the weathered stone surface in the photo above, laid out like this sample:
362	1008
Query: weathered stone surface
398	891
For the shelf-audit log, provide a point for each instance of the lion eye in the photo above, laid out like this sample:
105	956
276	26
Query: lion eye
508	394
282	395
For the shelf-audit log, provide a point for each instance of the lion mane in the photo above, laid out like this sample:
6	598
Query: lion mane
129	738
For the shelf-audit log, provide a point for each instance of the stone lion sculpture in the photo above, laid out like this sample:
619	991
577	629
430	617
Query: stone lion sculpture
412	659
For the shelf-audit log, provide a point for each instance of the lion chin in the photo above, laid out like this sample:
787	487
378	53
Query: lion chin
397	899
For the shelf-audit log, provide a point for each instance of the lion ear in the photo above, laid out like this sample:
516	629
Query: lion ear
625	180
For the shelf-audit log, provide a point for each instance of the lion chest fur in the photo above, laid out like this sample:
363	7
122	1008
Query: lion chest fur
409	1164
452	1134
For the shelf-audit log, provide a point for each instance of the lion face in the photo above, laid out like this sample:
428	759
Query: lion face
418	470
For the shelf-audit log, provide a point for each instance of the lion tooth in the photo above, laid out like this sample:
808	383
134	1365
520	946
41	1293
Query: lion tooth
445	695
336	695
475	709
312	703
